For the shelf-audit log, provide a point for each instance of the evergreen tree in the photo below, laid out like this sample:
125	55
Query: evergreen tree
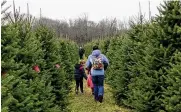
169	20
118	75
52	56
149	62
171	98
146	90
66	60
9	68
27	52
9	48
7	98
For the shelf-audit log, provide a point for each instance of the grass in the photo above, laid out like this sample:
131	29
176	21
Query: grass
85	102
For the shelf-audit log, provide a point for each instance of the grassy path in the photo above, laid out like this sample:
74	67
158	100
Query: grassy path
85	102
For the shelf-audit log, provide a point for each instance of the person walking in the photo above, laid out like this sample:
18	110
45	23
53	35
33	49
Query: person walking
97	63
79	74
81	53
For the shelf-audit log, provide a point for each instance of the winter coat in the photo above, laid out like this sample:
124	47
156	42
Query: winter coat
89	63
81	51
79	72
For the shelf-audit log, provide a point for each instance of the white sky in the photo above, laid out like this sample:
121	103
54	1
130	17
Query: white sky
95	9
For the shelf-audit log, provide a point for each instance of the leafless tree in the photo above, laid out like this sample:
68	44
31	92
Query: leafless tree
83	30
4	13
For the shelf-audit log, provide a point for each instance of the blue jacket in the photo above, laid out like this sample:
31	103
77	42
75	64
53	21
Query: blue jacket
89	64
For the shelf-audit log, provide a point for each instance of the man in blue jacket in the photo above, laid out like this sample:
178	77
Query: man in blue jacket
97	63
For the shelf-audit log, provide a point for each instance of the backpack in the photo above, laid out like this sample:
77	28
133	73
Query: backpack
97	63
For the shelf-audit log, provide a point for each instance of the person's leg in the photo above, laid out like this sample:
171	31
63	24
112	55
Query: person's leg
81	56
100	87
81	85
92	90
95	83
77	86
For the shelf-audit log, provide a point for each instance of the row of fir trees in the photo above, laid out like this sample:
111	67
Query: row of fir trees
145	63
36	69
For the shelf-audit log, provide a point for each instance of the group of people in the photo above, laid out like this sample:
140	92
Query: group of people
95	65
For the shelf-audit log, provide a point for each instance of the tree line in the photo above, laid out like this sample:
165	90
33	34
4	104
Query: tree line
82	30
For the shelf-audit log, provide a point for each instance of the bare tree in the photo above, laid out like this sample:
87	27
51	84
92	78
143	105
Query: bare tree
83	30
4	13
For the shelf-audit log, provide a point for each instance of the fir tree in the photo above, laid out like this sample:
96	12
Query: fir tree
52	56
171	97
7	98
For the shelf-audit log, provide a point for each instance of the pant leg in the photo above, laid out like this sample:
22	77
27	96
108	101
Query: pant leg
92	90
81	85
77	85
101	85
81	56
95	83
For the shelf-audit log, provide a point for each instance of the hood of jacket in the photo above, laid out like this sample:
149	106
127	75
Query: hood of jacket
77	66
96	53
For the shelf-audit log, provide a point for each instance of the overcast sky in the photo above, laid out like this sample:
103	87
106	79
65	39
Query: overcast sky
95	9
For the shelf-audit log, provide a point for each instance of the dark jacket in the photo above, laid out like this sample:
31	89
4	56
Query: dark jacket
79	72
81	52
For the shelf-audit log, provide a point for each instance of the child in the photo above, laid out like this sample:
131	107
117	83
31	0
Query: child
78	75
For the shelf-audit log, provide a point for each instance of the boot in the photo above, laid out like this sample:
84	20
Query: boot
100	98
76	91
81	90
92	91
